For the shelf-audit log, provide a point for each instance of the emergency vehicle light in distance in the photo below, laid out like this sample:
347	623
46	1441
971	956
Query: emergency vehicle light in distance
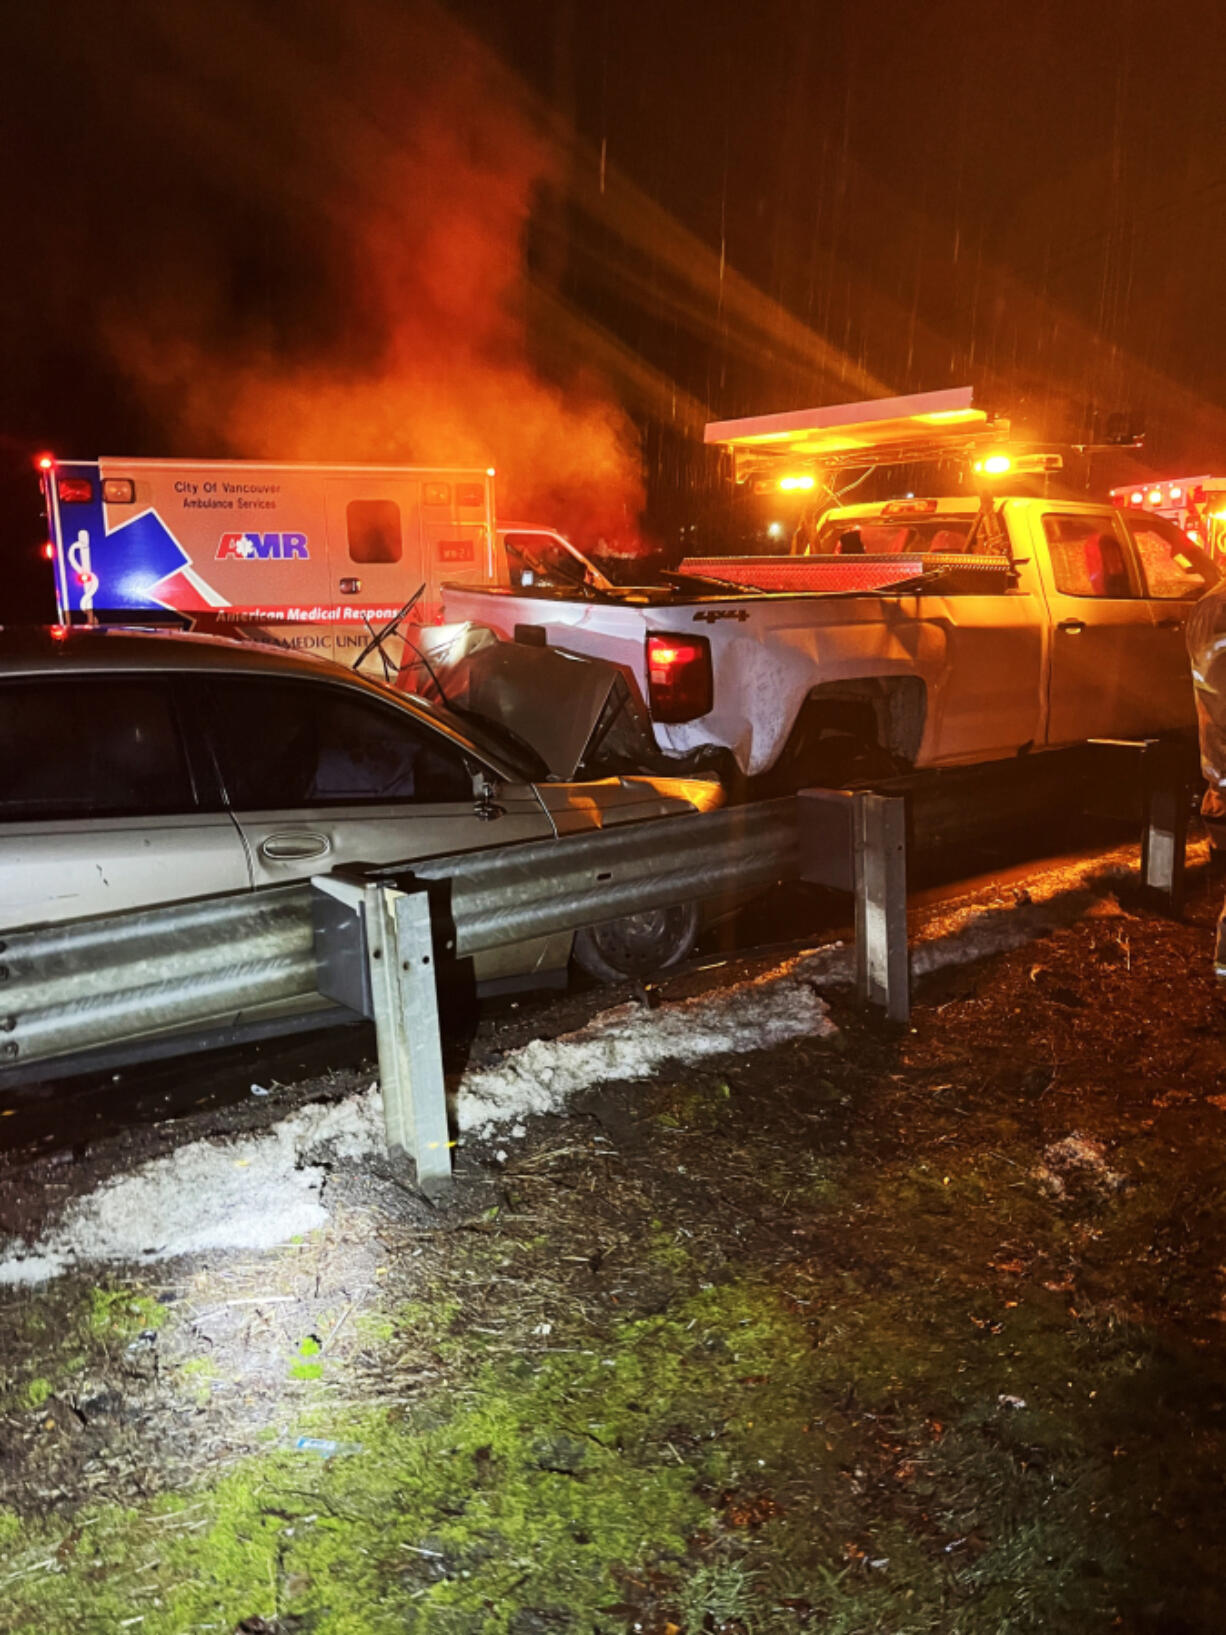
909	508
45	462
801	484
1001	465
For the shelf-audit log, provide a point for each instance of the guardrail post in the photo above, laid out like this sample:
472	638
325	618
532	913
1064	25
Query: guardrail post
883	966
857	841
404	998
1165	835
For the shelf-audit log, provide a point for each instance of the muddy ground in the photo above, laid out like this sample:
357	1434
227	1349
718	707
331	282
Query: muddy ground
904	1331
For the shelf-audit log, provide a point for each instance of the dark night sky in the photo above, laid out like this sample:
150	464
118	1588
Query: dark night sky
217	213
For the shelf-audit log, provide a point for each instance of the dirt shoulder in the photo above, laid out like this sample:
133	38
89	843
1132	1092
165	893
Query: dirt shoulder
907	1331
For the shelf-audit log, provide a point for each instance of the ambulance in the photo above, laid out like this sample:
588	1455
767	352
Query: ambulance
317	558
1195	504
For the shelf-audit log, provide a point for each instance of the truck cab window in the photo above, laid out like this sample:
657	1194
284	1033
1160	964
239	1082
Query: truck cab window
535	559
91	747
1175	569
887	536
374	533
1088	556
291	744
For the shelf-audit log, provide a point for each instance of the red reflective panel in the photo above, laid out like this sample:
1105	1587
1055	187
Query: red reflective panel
74	490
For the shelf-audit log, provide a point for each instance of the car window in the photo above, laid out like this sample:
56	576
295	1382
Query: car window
1175	569
283	744
1088	555
90	746
535	559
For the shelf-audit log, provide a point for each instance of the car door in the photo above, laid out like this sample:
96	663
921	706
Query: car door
101	807
319	774
1099	681
1176	573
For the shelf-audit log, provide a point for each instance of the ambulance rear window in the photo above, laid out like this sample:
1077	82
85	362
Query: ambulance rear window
374	530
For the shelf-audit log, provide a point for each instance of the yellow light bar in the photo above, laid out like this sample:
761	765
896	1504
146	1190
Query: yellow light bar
946	417
792	485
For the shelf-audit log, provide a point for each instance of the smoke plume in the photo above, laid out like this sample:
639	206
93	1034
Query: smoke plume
390	172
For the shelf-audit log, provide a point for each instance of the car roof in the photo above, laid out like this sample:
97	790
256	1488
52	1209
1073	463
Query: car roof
30	649
40	650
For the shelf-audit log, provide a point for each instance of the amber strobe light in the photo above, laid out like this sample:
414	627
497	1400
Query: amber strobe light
678	677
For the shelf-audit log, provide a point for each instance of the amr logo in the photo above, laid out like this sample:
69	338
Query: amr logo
262	547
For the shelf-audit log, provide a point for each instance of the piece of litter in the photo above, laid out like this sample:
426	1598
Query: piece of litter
324	1446
1007	1400
543	1328
260	1090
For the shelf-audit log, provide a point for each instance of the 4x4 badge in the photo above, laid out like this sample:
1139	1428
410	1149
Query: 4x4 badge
710	615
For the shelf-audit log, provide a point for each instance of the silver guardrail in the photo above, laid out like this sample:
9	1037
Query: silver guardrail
370	939
84	984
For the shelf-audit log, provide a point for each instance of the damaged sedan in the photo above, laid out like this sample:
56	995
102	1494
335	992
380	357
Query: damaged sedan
139	768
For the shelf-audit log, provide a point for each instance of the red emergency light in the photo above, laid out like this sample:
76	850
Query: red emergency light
74	490
47	552
45	462
679	681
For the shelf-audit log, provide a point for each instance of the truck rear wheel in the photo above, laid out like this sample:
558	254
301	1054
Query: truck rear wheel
834	743
640	946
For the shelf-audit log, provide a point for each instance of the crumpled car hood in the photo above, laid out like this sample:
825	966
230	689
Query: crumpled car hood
559	703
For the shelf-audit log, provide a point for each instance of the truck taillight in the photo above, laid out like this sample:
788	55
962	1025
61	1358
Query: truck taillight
679	677
74	490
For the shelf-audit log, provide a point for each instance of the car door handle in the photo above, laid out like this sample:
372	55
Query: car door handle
1074	627
294	847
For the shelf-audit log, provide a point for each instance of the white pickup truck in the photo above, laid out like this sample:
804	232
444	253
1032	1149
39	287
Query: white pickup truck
926	632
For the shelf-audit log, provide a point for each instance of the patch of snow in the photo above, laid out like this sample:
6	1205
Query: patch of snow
252	1193
631	1042
261	1190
